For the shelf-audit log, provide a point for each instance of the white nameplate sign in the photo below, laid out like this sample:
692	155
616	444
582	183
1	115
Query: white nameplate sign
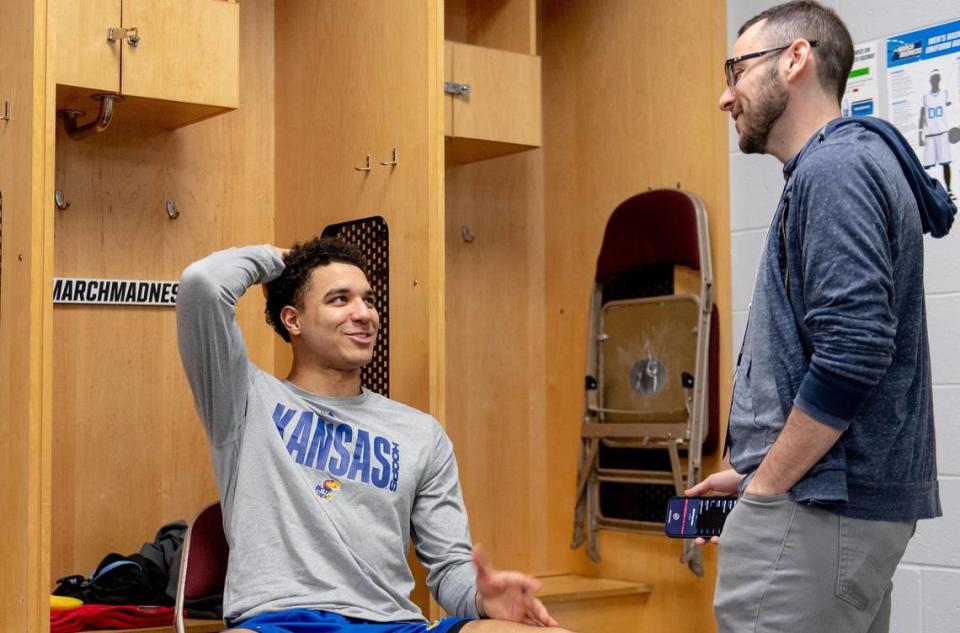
129	292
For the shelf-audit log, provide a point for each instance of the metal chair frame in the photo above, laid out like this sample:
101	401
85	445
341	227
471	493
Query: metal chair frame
647	431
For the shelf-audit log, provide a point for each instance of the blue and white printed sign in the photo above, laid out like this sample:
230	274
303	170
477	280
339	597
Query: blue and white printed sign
923	85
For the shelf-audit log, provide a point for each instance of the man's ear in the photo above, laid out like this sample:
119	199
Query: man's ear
800	58
290	318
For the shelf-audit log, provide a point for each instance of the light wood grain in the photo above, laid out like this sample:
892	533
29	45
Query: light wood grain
188	51
469	150
616	124
448	98
129	453
504	104
436	210
605	615
83	56
141	111
571	587
510	25
24	405
184	70
436	201
370	81
495	382
595	605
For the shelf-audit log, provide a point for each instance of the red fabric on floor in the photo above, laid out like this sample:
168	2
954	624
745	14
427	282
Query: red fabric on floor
108	616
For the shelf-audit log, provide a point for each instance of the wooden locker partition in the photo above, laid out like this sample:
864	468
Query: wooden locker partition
370	84
496	377
523	233
128	453
24	320
630	93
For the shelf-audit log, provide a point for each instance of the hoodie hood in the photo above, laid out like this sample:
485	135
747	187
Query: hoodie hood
936	208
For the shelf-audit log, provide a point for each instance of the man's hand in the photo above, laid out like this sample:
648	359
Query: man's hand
508	595
281	252
725	483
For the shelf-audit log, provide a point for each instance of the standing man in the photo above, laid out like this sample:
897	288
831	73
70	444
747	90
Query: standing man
323	482
934	128
831	436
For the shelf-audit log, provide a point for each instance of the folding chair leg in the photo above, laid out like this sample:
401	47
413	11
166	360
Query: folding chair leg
690	553
693	557
588	456
675	467
593	503
578	534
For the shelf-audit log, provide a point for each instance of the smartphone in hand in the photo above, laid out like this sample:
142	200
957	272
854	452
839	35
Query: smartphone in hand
690	517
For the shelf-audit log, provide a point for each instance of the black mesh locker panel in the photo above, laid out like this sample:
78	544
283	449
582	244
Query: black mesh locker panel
371	235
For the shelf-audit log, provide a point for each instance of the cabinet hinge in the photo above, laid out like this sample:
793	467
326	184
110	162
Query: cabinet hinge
116	33
453	88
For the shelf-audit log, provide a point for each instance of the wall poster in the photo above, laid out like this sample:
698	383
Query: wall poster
861	97
923	85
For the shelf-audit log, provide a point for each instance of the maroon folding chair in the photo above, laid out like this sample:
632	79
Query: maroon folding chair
651	368
203	562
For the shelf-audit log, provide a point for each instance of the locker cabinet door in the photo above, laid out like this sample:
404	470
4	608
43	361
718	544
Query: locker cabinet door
188	51
84	57
504	102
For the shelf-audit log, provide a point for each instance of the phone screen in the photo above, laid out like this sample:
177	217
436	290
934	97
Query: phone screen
690	517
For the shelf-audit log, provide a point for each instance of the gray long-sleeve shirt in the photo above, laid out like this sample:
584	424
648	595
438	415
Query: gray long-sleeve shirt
320	495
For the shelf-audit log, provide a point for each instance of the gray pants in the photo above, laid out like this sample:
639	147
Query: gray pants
789	567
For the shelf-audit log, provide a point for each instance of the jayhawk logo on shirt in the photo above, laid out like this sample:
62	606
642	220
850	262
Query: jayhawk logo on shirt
325	490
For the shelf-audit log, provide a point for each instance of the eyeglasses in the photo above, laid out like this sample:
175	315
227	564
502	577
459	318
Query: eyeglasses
728	65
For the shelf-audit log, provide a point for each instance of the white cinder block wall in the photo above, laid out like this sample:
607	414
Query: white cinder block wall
927	583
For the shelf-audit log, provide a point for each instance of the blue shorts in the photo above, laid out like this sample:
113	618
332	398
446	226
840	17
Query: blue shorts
314	621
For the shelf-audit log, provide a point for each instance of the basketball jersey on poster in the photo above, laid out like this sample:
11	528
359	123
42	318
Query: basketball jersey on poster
935	107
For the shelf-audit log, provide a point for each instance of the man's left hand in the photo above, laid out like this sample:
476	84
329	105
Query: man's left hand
509	595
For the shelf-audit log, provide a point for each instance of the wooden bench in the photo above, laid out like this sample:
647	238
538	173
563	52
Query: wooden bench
594	605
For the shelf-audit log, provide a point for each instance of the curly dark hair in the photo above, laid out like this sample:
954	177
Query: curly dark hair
289	288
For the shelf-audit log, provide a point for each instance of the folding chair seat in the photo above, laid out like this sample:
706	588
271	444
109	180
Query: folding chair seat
649	358
203	562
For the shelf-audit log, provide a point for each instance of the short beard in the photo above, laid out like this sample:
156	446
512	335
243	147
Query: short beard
771	103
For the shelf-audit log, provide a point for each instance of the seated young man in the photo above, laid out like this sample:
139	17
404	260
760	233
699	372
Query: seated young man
322	481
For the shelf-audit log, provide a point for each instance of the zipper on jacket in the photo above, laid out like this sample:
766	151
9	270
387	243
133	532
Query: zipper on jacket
783	245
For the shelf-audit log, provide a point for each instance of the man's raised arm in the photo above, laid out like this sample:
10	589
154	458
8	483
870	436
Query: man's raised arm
211	345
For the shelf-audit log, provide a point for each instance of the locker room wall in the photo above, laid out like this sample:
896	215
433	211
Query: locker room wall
629	94
128	453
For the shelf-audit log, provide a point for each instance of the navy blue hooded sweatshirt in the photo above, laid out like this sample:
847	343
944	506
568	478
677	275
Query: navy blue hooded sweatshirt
837	326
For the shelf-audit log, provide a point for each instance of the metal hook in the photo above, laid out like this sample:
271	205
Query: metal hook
102	122
60	200
172	211
393	160
466	234
368	166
